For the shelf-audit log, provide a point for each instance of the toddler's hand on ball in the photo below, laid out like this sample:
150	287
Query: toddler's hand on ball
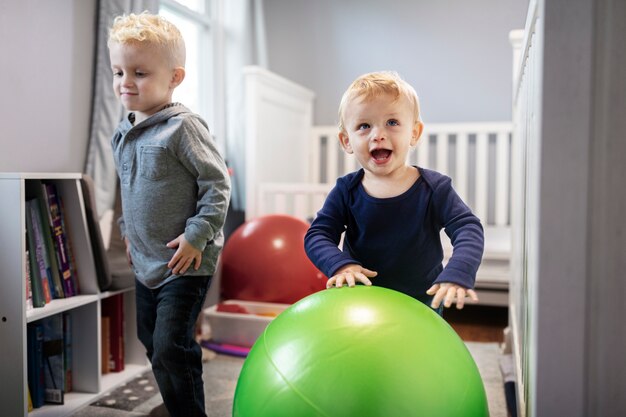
351	274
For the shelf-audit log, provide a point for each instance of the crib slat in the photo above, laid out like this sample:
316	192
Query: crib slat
332	171
460	180
314	165
442	153
482	159
502	179
280	203
300	205
317	202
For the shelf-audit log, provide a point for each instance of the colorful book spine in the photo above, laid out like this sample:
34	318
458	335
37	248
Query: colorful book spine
35	278
60	239
105	348
51	246
73	279
40	253
113	307
29	287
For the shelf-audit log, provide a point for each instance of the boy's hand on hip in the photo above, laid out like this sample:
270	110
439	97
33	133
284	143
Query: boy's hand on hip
351	274
185	256
128	257
449	293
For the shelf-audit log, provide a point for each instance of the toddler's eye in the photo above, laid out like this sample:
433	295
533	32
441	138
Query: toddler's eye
117	73
140	74
363	126
392	122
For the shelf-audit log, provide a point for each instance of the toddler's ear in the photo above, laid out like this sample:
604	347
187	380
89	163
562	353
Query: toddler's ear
177	77
345	142
417	132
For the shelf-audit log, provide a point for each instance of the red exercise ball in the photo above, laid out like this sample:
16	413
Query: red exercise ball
264	260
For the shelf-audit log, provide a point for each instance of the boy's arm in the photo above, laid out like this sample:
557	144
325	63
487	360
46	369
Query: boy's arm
198	152
322	239
467	237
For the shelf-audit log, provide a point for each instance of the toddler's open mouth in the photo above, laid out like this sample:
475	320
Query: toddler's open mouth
381	155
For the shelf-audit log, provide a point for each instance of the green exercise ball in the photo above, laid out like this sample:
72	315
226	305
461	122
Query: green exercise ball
359	352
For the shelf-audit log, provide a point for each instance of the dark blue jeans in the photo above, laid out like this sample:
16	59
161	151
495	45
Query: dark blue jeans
166	319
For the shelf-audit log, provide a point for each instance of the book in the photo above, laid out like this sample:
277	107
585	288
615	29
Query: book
41	254
105	340
67	350
36	188
34	346
113	307
54	369
29	288
50	240
72	282
59	236
30	401
35	277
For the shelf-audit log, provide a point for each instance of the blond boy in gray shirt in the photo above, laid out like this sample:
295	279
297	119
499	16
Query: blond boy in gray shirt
175	192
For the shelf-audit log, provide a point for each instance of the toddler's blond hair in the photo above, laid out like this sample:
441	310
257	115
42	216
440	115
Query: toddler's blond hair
150	29
375	84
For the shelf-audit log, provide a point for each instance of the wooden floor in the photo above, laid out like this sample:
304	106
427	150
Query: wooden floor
475	323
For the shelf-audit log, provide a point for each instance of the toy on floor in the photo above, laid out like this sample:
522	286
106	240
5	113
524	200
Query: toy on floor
226	348
362	351
264	260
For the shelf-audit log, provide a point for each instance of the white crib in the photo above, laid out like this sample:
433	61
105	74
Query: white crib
475	155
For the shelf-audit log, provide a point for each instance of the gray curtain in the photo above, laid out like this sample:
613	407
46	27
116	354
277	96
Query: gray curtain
106	109
244	44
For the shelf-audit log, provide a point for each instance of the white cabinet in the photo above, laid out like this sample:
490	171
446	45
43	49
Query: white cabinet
88	382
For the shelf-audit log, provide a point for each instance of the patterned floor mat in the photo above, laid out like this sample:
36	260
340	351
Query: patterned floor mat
128	396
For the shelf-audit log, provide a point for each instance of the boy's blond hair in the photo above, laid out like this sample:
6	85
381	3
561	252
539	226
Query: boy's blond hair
150	29
375	84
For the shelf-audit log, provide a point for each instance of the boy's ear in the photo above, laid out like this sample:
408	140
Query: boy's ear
177	77
417	132
345	142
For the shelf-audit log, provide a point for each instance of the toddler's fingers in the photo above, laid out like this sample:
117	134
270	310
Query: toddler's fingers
449	297
433	290
460	298
437	298
331	282
350	279
369	273
363	279
340	280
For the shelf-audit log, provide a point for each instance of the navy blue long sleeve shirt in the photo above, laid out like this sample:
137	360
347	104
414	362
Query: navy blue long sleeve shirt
398	237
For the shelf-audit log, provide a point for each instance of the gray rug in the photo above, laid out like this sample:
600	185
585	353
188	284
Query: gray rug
140	395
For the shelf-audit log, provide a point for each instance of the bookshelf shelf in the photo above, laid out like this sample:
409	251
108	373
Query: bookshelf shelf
59	306
84	309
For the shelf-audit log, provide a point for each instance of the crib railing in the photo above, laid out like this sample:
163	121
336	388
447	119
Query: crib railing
475	155
301	200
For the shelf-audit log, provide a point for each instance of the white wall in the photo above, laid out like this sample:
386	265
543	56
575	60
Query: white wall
455	53
47	52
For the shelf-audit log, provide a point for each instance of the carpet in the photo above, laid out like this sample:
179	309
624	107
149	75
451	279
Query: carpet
139	396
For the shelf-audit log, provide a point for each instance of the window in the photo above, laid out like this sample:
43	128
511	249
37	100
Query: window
193	18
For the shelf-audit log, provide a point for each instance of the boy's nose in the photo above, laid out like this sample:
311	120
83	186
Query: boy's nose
127	81
378	134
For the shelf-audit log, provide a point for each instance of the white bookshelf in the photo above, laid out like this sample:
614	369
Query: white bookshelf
88	382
